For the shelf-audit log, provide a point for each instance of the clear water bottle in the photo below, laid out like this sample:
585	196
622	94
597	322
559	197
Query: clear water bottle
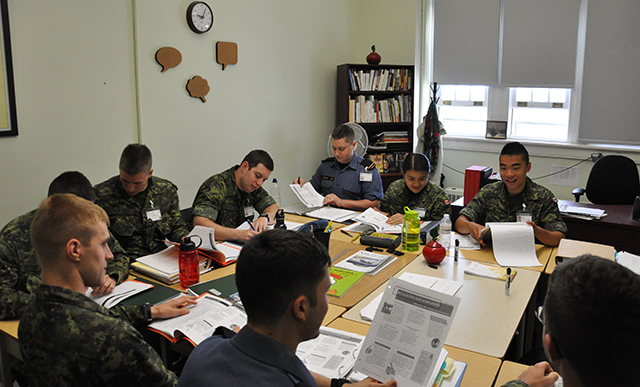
410	230
275	191
444	230
188	263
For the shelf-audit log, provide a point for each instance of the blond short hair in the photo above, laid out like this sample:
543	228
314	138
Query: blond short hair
60	218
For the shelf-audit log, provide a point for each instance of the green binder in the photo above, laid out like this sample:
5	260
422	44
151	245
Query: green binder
156	295
221	287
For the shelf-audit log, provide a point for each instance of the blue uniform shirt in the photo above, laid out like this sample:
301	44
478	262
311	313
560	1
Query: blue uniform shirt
357	181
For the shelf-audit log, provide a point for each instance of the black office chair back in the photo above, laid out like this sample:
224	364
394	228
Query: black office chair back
613	180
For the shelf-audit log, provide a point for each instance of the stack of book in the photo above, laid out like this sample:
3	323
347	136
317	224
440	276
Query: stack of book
388	162
367	109
380	79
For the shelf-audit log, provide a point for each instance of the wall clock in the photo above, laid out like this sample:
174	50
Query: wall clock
199	17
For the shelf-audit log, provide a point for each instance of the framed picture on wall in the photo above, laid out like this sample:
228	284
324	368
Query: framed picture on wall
8	115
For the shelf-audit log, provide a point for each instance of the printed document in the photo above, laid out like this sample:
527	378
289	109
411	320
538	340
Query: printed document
407	335
331	354
308	195
441	285
513	244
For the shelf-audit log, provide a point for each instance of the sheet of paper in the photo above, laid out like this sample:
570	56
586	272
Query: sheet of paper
331	354
448	287
513	244
630	261
119	293
332	213
165	261
407	334
466	241
308	195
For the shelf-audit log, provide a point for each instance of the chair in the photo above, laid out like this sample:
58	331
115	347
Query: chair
612	180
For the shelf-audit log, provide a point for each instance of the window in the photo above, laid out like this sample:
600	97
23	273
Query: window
534	113
539	113
462	109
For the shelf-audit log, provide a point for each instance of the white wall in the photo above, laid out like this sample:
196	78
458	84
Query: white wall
78	90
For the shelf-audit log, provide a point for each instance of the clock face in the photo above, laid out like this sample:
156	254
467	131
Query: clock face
199	17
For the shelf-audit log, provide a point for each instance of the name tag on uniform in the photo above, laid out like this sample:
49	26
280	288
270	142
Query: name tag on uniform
421	212
364	176
524	217
248	212
154	215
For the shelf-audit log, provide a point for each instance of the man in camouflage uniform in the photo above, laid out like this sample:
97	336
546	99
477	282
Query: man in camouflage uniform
19	268
143	209
415	191
228	199
515	196
347	180
66	339
590	326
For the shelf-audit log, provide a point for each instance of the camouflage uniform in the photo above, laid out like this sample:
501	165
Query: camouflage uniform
515	383
432	199
220	200
494	204
137	234
66	339
20	270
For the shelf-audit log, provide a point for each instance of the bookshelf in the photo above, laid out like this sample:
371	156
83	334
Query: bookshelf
380	99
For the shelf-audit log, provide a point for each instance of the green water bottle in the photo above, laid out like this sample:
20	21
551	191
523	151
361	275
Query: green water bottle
410	230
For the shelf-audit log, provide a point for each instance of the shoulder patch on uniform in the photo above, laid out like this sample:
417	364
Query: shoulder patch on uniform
368	164
555	200
328	159
446	201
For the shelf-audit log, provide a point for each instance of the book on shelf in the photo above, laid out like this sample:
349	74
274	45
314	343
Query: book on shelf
342	280
390	162
395	79
369	109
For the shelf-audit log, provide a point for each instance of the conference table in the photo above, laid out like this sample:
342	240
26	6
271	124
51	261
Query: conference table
486	319
617	228
481	369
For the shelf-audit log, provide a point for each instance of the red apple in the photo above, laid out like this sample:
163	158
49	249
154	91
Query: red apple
373	58
434	252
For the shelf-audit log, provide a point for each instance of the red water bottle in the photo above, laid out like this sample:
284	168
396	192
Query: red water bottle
188	263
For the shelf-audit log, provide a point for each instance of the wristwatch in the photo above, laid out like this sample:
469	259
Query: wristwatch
264	216
147	312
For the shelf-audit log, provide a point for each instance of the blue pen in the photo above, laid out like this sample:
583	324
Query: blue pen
251	224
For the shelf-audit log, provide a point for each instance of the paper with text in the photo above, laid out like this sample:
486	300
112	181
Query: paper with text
308	195
513	244
441	285
331	354
407	335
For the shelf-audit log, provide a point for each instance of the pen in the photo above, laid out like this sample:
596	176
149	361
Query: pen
346	233
432	266
251	224
507	285
328	226
455	254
